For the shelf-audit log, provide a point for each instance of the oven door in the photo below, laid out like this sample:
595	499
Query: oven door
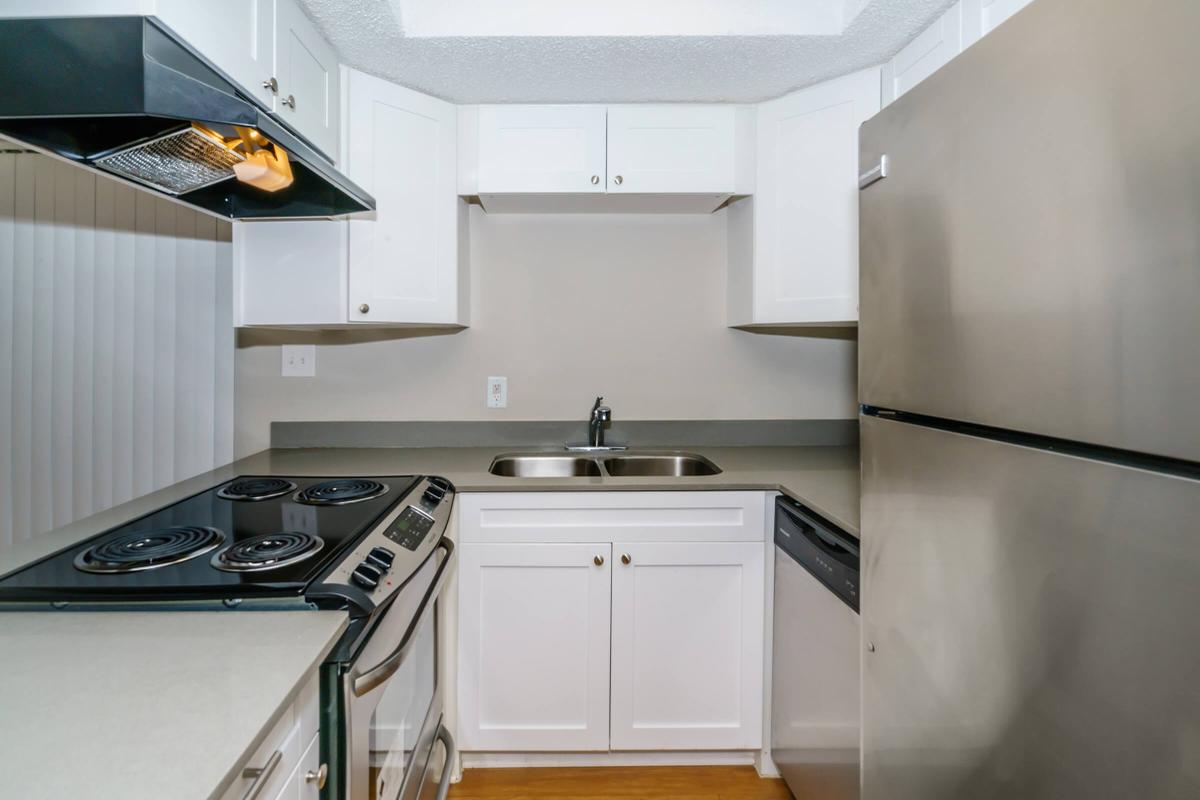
390	695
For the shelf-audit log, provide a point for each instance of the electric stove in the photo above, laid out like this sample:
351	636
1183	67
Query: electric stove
327	542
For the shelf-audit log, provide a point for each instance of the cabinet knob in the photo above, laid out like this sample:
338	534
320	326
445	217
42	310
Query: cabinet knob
595	179
598	561
625	558
289	101
364	308
319	777
618	180
271	84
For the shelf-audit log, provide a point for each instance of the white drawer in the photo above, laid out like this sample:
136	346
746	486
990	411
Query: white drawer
611	516
307	708
298	786
296	726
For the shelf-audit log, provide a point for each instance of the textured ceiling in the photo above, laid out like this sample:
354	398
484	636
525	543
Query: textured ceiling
369	35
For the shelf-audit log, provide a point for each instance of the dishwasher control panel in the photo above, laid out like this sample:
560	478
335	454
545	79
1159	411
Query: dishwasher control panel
828	553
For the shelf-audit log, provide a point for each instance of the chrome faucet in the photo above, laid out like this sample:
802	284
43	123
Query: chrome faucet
601	416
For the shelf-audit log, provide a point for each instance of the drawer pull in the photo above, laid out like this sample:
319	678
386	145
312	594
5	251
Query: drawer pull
261	776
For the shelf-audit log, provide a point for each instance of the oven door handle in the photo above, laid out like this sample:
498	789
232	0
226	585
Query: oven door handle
363	682
448	766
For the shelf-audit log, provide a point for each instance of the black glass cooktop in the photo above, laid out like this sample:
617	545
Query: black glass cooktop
252	536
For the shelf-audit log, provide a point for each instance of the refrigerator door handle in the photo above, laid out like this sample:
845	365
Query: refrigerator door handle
874	174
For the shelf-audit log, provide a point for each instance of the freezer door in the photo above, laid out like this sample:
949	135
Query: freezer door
1032	259
1033	618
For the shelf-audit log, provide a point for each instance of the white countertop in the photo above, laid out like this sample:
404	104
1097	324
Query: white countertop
149	705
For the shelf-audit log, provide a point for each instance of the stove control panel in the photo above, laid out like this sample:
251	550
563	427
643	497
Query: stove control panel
411	527
398	545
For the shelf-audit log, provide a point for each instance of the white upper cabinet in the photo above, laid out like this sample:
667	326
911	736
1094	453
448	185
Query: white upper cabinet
307	73
671	148
993	12
236	35
963	24
654	158
540	149
793	247
408	264
934	47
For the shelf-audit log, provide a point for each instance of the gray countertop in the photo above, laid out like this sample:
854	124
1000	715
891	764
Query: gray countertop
146	705
823	478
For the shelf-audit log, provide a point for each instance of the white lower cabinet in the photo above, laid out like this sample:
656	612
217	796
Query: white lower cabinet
286	765
534	646
304	783
611	621
687	622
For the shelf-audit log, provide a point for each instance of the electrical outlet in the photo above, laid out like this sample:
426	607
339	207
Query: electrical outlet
497	392
299	360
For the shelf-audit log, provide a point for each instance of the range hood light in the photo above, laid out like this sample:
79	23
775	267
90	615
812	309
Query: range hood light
266	170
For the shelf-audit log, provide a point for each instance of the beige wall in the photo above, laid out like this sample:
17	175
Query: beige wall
567	307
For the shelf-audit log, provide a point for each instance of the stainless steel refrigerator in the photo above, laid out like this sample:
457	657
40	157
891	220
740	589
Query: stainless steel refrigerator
1030	380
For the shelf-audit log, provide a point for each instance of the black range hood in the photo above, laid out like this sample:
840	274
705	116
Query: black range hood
123	96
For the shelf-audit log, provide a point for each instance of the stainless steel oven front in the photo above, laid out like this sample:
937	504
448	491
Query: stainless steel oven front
382	707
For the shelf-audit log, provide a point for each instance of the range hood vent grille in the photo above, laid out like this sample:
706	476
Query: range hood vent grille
178	162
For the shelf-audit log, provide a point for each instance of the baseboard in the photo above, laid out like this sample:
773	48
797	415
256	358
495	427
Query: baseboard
677	758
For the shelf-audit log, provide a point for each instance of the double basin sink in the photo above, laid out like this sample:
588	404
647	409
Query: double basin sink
626	465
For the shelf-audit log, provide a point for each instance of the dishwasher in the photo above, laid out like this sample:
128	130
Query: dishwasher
815	668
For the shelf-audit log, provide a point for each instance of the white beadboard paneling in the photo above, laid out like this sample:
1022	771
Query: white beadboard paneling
21	390
8	177
116	344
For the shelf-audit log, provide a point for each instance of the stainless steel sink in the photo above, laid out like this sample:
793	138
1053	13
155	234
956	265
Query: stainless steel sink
675	465
544	466
627	465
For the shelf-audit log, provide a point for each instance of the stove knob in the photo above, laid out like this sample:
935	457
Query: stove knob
381	557
366	576
433	495
440	483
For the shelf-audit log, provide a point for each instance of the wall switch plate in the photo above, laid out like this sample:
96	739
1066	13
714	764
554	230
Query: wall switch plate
497	392
299	360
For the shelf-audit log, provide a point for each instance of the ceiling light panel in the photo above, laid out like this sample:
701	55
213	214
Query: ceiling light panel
625	18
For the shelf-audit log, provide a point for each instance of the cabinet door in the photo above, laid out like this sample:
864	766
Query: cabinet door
308	79
803	266
533	651
407	264
541	149
671	149
687	645
993	12
921	57
289	272
236	35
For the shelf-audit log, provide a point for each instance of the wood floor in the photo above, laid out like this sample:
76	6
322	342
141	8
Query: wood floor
628	783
